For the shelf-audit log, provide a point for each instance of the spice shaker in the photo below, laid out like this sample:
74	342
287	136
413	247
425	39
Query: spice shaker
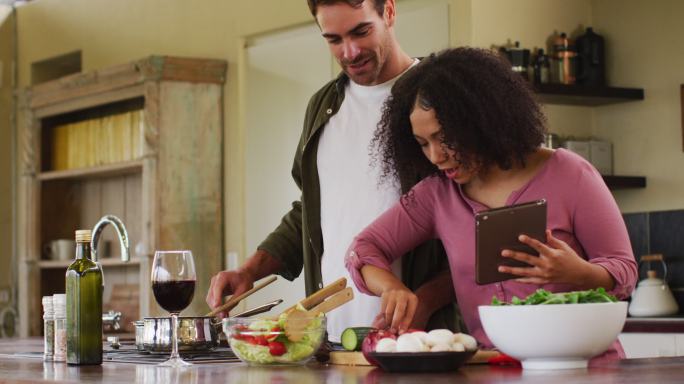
48	329
59	303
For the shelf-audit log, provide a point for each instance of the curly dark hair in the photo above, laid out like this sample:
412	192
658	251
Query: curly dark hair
488	114
378	4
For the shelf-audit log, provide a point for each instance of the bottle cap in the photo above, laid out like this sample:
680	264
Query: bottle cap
59	304
47	305
83	236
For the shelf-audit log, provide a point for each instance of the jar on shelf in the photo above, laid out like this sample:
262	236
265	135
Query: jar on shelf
564	56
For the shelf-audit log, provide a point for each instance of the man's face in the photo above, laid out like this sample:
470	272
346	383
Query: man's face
359	38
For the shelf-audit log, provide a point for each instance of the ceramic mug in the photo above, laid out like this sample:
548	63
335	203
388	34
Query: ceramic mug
61	249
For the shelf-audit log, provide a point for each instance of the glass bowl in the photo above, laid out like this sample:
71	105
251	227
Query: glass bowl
262	341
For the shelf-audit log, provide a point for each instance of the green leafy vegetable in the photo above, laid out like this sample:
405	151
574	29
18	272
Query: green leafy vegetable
542	297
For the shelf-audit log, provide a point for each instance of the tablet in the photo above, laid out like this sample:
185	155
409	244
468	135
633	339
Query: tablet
498	229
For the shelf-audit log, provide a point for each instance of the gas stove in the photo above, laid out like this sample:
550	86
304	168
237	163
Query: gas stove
128	353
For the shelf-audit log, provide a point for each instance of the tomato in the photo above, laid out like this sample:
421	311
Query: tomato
260	340
245	338
276	348
275	332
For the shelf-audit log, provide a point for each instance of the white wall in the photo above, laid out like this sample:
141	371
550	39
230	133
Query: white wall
645	42
283	70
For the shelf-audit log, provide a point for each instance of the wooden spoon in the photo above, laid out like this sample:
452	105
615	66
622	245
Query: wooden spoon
297	320
233	301
320	295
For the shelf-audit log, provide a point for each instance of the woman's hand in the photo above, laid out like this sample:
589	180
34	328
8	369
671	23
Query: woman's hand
398	308
557	263
420	319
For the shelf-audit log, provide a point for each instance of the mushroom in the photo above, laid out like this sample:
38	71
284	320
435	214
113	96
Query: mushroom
386	345
409	342
468	341
439	336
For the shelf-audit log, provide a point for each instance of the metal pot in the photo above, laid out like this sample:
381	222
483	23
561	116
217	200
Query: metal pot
195	333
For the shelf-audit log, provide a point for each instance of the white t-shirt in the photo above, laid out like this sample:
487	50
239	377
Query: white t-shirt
352	195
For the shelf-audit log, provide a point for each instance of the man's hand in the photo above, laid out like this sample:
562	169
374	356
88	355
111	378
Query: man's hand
226	283
259	265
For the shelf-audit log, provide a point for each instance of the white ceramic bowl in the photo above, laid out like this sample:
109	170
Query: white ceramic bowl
557	336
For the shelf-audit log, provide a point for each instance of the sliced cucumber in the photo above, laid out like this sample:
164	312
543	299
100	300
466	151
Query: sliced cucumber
353	337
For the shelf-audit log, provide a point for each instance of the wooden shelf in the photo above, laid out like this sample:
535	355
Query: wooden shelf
108	262
623	182
117	169
182	118
586	95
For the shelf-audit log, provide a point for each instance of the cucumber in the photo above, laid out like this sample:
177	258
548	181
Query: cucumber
353	337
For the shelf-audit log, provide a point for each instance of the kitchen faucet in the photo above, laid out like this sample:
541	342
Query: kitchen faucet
120	231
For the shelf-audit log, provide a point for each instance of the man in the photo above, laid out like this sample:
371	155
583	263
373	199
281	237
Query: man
341	192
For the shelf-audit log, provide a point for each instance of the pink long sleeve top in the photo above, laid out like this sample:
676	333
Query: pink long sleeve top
581	211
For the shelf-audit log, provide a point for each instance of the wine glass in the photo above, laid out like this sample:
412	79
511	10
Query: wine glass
173	284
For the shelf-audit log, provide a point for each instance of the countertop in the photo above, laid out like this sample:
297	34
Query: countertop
670	324
26	370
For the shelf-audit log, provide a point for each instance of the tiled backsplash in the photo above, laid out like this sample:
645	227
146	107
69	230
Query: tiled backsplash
660	232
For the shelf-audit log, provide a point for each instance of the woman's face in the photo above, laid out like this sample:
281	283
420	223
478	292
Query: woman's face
428	133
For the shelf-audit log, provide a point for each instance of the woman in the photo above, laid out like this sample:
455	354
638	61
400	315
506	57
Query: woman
467	122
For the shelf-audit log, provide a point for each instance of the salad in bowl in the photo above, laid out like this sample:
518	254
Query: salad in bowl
263	341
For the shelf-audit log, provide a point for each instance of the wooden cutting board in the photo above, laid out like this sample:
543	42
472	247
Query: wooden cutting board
482	355
347	358
356	358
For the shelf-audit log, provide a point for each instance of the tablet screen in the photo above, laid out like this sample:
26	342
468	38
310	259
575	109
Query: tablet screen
498	229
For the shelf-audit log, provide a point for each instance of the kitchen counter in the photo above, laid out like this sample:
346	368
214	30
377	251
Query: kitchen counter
674	324
18	369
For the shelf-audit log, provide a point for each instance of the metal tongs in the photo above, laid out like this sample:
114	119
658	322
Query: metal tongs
260	309
234	300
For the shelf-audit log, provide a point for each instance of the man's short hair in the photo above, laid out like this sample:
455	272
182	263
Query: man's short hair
313	4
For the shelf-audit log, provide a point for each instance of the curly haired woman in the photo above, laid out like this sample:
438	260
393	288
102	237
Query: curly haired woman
471	127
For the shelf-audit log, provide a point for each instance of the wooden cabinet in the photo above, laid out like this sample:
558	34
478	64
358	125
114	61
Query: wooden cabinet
169	193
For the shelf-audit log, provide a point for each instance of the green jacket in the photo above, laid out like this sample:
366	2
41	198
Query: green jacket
298	242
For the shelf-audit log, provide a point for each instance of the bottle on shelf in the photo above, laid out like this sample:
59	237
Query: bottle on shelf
564	56
540	68
84	286
591	62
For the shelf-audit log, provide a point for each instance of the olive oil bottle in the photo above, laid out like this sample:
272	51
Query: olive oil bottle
84	305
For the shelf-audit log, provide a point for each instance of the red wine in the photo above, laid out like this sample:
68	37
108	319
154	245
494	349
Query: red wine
174	296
